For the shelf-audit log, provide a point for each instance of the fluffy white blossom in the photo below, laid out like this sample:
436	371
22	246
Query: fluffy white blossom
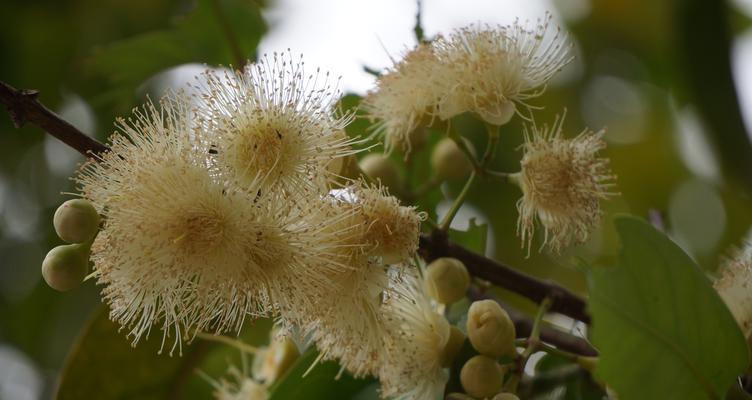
273	120
490	69
406	96
562	182
414	343
735	288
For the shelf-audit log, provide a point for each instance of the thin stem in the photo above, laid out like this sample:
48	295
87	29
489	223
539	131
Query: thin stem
457	204
493	142
466	150
232	40
533	343
502	176
418	29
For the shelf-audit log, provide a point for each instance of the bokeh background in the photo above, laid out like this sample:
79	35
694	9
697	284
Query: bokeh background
671	81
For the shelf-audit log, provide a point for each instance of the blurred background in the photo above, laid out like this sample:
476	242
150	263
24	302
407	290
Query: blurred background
671	81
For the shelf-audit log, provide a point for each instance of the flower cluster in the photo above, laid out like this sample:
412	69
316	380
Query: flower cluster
229	204
220	207
493	72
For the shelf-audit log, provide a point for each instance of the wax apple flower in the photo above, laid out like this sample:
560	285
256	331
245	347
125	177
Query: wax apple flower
415	343
273	120
733	287
405	96
182	248
491	70
562	182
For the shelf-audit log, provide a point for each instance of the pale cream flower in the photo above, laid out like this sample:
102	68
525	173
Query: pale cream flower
273	120
490	70
393	230
735	288
562	182
405	96
182	248
414	343
238	385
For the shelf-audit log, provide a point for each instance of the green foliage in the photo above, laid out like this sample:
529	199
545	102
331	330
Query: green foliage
662	330
554	374
320	383
214	32
104	365
474	238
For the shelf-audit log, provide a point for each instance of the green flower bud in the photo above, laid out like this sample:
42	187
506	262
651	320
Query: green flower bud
76	221
453	346
380	168
490	329
448	161
482	376
65	267
446	280
505	396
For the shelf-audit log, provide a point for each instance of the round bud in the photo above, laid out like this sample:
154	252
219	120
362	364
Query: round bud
64	267
380	168
490	329
505	396
446	280
76	221
448	161
482	376
453	346
276	359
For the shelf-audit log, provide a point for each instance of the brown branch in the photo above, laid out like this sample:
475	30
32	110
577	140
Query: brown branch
23	107
523	325
438	245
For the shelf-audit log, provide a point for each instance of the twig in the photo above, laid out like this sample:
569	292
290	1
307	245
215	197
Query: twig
23	107
418	29
565	302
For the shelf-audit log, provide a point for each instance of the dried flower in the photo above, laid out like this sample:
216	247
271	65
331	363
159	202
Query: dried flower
275	121
489	70
734	288
405	96
562	182
415	342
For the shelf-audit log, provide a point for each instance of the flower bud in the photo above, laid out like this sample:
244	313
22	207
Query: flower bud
505	396
76	221
448	161
453	346
482	376
490	329
276	359
446	280
64	267
380	168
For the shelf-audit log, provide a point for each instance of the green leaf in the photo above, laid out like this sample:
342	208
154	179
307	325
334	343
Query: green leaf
200	36
662	330
474	238
320	383
104	365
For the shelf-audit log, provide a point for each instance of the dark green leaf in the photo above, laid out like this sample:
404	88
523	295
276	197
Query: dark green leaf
201	36
103	364
662	330
320	383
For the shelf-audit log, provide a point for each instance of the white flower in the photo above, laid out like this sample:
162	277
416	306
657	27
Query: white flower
562	182
734	288
491	69
181	247
415	342
406	96
275	121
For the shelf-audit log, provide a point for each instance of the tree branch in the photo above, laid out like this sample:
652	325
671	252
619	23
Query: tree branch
23	107
565	302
